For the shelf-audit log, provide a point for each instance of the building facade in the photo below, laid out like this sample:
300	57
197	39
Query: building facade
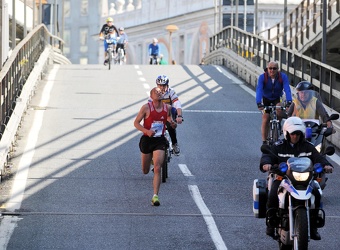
144	20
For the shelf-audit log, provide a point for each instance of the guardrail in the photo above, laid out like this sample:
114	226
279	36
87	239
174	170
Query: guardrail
303	24
17	68
18	77
247	55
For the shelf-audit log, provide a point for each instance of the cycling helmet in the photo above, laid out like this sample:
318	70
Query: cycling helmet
162	80
155	40
121	28
109	19
293	124
304	85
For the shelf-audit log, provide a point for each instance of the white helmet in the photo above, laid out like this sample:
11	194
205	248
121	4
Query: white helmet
293	124
155	40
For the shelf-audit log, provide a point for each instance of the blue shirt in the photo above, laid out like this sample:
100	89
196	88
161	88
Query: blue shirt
272	91
153	50
123	38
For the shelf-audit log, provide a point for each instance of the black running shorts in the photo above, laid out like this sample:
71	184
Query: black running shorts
149	144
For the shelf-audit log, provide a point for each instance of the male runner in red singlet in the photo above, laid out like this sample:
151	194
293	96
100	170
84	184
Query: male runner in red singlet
152	143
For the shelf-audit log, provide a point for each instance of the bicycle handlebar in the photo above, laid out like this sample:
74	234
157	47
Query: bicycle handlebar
271	107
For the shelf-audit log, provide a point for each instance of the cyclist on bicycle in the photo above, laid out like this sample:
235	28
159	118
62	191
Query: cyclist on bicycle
307	104
170	97
154	50
153	143
108	29
122	41
269	91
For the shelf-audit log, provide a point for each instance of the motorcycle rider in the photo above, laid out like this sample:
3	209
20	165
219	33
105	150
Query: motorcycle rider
307	105
107	29
154	49
293	145
170	97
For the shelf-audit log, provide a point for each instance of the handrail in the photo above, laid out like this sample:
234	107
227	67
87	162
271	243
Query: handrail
17	68
304	24
258	51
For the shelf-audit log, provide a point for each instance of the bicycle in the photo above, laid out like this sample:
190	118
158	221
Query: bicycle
167	156
119	59
274	131
111	48
154	60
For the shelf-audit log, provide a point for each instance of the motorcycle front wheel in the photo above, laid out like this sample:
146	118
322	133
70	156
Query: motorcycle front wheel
300	229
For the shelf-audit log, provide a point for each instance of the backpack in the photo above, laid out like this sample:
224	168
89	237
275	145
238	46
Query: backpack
266	77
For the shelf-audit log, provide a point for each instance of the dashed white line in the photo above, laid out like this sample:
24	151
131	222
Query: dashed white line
185	170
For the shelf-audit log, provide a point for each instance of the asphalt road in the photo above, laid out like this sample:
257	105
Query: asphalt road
79	184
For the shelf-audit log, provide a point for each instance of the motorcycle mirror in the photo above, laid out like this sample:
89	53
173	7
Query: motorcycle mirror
328	132
333	117
330	150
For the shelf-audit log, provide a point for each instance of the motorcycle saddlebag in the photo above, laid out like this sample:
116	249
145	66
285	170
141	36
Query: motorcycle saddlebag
259	198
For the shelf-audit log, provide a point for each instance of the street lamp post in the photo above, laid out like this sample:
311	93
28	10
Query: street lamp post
171	28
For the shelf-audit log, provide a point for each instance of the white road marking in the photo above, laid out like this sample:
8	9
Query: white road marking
221	111
335	158
19	184
142	79
146	86
207	216
139	72
185	170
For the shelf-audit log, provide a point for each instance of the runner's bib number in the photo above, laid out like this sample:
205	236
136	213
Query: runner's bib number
158	128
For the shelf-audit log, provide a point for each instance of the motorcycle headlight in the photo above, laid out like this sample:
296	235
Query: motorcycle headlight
318	147
301	176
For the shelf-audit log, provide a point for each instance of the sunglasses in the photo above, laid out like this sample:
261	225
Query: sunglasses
274	68
296	133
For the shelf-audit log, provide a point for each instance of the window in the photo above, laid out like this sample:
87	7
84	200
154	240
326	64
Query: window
67	9
83	60
240	2
84	7
66	48
83	39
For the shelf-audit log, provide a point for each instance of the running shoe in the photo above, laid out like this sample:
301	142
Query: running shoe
155	201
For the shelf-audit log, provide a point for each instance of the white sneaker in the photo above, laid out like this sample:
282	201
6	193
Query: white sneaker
176	149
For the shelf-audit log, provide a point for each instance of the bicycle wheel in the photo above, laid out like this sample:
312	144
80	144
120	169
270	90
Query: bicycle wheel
276	132
164	169
110	59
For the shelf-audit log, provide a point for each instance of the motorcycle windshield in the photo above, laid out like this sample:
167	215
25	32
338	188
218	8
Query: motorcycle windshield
300	165
305	106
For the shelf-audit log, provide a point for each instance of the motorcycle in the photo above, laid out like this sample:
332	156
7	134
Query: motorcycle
317	132
297	207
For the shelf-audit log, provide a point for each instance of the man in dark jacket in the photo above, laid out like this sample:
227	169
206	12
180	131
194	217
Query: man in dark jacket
294	145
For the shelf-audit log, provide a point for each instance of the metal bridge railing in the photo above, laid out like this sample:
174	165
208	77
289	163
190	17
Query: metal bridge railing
256	52
17	68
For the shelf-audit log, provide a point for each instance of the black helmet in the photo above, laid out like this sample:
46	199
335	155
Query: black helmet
304	85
